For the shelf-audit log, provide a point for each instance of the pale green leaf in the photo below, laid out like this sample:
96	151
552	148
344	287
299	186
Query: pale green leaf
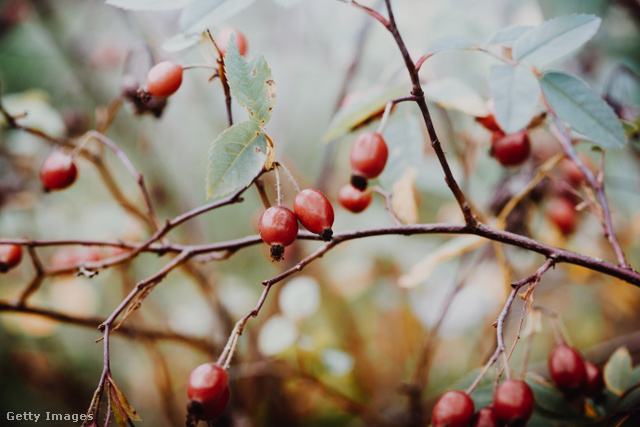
454	94
180	42
515	92
617	371
508	35
202	14
555	38
580	107
363	108
405	140
148	4
442	43
251	84
236	157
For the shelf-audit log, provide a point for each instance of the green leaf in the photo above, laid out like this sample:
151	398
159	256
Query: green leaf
454	94
366	106
550	399
555	38
509	35
202	14
617	371
405	141
181	41
236	157
579	106
442	43
630	128
148	4
251	84
122	410
515	92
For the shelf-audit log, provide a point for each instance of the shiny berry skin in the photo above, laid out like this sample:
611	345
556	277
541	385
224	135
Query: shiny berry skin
562	213
566	368
164	79
10	256
223	37
485	418
315	212
593	382
353	199
513	402
58	171
369	155
278	227
510	150
453	409
489	122
208	384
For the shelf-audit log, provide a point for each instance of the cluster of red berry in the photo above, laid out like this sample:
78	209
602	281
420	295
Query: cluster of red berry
512	406
573	375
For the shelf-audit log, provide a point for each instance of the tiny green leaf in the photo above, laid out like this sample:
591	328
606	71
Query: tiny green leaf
199	15
360	110
579	106
251	84
617	371
442	43
236	157
515	92
555	38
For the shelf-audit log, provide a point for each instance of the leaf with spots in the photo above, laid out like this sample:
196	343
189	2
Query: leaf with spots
251	84
236	157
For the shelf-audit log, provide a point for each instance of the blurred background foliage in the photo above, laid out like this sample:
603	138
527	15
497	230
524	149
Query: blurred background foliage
348	329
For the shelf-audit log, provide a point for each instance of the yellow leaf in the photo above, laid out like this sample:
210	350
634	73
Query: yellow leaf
404	203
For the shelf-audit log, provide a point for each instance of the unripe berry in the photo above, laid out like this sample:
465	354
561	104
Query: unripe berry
223	37
453	409
208	385
10	256
510	150
513	402
369	155
58	171
278	227
315	212
562	213
594	382
353	199
566	368
164	79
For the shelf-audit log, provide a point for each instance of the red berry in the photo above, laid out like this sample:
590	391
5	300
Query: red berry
453	409
164	79
510	150
572	172
489	122
225	35
208	385
369	155
278	227
594	382
513	402
10	256
563	214
58	171
315	212
353	199
485	418
566	368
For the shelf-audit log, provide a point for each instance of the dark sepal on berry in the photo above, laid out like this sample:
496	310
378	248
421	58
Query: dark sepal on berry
194	413
277	252
326	234
359	182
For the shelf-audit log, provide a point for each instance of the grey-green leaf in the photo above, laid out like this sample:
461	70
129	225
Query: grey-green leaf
617	371
515	92
236	157
580	107
202	14
555	38
442	43
251	84
148	4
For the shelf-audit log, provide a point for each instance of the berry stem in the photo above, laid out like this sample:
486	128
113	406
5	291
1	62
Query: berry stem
387	198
